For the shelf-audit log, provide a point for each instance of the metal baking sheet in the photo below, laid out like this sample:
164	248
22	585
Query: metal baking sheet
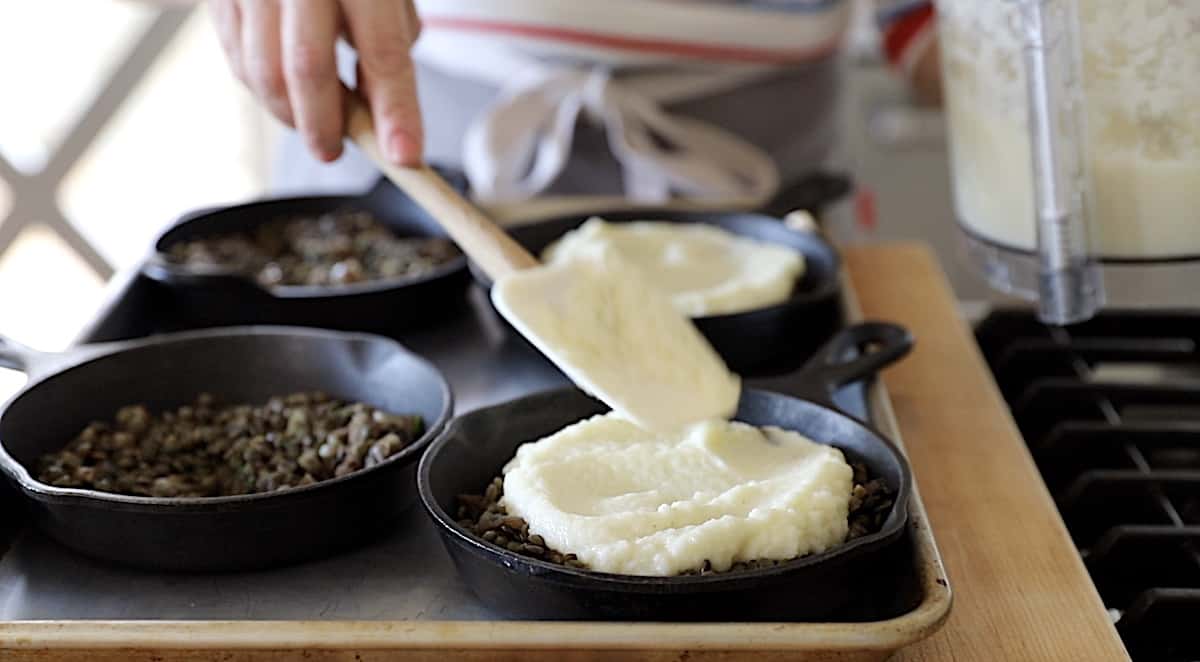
407	577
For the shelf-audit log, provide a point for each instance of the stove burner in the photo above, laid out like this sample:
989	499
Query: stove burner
1110	410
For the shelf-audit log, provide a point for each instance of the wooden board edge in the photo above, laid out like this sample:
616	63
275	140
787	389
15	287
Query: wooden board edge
934	610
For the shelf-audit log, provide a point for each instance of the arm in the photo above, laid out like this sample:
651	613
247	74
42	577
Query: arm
910	44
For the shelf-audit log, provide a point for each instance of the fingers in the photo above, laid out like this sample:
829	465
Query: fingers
414	21
228	22
262	59
309	36
285	53
381	31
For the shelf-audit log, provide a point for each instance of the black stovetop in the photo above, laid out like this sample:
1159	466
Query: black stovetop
1110	410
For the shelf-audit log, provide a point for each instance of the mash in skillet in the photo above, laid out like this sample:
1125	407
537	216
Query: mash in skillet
704	269
628	501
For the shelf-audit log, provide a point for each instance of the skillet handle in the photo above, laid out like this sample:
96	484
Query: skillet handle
878	345
157	267
17	356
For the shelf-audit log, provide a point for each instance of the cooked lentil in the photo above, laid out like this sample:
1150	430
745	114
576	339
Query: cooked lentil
205	450
338	248
483	515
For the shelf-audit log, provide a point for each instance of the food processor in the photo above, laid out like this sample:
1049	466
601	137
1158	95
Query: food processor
1074	139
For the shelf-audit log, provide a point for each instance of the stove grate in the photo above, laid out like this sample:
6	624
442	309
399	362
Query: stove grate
1110	410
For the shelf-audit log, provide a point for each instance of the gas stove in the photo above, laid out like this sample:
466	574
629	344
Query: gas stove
1110	410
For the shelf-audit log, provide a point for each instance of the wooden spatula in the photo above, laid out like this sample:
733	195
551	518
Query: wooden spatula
615	336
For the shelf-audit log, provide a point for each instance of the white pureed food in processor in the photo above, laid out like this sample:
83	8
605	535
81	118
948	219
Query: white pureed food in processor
620	339
1141	75
632	502
704	269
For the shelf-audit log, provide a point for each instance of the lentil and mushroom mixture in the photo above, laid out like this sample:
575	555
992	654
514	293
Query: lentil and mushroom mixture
338	248
205	449
484	516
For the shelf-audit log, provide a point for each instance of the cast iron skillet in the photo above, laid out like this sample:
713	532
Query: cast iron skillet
761	341
249	364
214	297
474	448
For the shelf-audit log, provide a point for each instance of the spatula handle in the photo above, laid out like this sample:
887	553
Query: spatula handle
485	242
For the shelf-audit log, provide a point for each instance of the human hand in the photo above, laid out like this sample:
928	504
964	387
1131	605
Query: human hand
283	51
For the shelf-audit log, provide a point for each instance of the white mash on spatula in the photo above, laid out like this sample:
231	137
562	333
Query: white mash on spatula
620	339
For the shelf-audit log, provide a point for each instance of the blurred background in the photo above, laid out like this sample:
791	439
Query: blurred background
115	121
121	117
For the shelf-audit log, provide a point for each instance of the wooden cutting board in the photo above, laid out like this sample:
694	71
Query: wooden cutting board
1020	589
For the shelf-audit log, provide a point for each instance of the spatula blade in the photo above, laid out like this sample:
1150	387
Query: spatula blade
620	339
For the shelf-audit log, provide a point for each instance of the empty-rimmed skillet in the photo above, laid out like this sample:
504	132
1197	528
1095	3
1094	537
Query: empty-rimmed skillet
768	340
211	296
248	364
475	447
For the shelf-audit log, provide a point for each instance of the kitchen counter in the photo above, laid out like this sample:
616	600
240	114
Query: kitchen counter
1021	591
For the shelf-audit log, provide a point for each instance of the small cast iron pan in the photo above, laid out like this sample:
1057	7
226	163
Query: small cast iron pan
767	340
214	297
247	364
476	446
